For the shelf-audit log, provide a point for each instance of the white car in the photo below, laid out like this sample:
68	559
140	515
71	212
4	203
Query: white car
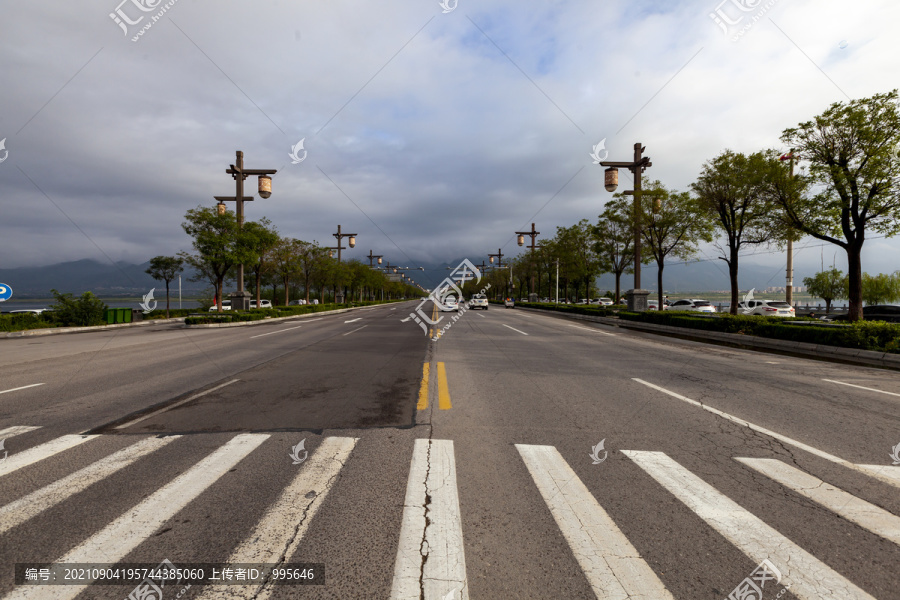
693	305
605	301
226	305
262	304
767	308
297	302
34	311
479	301
450	304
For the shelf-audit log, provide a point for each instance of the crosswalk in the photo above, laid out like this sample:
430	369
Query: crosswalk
430	560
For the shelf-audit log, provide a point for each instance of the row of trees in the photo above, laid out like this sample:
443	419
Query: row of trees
300	268
740	201
832	284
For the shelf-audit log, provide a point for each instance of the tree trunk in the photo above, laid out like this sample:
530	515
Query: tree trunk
167	298
827	305
619	287
258	285
287	292
219	281
275	293
854	274
659	285
733	276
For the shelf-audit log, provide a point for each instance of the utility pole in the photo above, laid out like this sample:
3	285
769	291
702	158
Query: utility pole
557	279
339	298
789	275
373	257
532	297
240	300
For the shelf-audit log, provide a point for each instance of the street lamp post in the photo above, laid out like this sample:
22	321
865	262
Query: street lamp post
240	300
339	298
637	297
532	297
373	257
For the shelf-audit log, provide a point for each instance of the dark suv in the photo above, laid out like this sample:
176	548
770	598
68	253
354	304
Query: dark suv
882	312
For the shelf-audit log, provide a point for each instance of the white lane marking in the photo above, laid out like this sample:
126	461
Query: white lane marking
591	329
17	430
809	578
482	316
867	515
354	320
611	564
432	471
394	308
24	387
274	332
405	320
179	403
357	329
280	531
126	533
876	473
35	503
514	329
861	387
14	462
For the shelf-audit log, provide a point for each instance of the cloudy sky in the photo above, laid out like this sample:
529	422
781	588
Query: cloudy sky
434	132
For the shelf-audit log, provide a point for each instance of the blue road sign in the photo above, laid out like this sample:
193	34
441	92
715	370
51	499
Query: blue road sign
5	292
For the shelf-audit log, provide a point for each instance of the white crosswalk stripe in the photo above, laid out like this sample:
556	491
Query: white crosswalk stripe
125	533
279	532
16	430
33	504
809	578
611	564
867	515
431	532
22	459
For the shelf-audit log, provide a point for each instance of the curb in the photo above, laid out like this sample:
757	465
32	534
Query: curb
853	356
61	330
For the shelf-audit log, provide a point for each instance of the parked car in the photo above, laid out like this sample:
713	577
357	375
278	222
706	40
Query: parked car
449	304
693	305
34	311
584	301
767	308
262	304
604	301
882	312
509	303
653	305
479	301
296	302
226	305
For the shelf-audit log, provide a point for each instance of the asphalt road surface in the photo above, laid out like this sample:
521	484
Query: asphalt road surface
519	456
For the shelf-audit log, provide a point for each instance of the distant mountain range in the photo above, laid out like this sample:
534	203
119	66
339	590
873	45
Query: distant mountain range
124	279
77	277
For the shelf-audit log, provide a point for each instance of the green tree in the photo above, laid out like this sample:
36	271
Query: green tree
730	192
828	285
165	268
286	263
217	242
261	239
672	224
880	289
853	175
84	311
614	245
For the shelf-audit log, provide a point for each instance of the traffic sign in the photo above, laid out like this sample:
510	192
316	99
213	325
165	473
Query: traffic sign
5	292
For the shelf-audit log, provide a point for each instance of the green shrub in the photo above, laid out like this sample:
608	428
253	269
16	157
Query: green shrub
81	312
24	321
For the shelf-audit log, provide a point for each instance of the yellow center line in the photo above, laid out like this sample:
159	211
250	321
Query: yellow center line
443	388
423	389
